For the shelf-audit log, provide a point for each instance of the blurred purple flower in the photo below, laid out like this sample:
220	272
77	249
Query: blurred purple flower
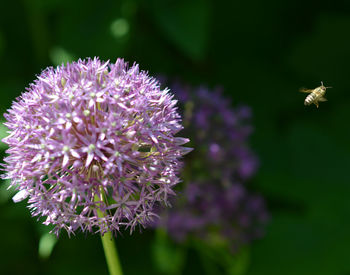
231	213
215	200
220	133
93	137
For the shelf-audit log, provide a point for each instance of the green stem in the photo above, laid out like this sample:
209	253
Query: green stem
111	254
108	243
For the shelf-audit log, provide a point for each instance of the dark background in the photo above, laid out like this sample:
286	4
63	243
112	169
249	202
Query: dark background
261	53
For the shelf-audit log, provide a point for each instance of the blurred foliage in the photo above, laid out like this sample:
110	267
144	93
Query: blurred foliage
46	244
168	257
59	55
190	33
261	52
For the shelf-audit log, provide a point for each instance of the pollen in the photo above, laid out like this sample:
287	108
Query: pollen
92	147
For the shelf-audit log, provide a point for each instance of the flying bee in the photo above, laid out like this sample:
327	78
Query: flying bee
315	95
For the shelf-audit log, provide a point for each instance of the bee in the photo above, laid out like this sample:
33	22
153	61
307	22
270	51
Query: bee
315	95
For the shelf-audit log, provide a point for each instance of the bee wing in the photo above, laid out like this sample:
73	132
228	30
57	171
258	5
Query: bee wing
322	99
304	90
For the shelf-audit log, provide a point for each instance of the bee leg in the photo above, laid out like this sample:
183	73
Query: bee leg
316	103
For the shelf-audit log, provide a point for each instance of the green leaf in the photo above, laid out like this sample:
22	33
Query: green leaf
59	55
239	263
3	134
46	245
168	257
218	258
5	193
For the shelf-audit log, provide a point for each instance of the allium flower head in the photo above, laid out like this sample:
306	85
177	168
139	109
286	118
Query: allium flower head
92	146
215	201
221	133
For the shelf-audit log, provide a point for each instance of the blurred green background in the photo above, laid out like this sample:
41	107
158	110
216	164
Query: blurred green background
261	53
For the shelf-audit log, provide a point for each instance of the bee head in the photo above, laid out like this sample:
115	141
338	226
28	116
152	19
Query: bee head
323	87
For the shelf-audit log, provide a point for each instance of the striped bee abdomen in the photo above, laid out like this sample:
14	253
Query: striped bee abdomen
310	99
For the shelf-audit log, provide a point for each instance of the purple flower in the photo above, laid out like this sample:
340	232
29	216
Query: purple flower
92	146
209	209
215	201
220	133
